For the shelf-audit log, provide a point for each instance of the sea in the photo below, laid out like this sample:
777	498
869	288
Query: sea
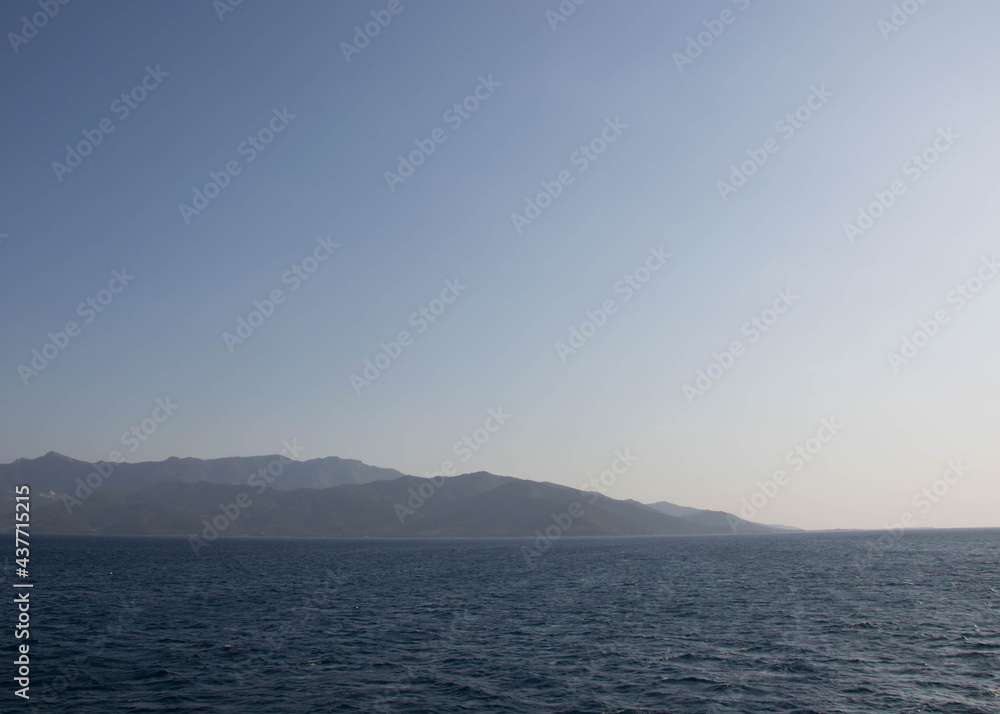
801	622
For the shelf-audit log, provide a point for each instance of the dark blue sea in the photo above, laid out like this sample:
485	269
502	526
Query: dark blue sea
823	622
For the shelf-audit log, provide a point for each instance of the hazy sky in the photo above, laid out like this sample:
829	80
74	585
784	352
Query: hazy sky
622	114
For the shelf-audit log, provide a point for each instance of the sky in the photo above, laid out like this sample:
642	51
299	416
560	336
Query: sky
573	212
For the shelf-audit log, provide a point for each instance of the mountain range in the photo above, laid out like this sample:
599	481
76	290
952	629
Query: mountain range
276	496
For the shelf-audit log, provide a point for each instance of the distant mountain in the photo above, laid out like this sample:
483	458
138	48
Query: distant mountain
55	473
470	505
717	519
324	497
672	509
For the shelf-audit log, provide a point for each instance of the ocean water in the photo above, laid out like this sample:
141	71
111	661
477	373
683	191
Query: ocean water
789	623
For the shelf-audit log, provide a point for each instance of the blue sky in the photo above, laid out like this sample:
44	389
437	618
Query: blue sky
886	95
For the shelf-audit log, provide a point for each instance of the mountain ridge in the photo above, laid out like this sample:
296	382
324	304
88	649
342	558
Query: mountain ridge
59	473
272	495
